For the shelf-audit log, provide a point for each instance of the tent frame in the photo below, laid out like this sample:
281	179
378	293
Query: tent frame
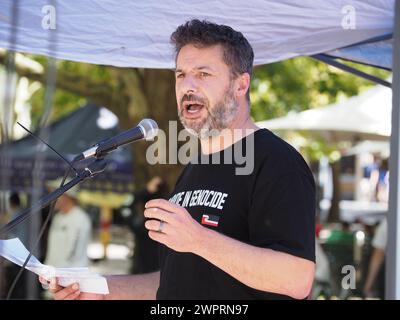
333	62
392	285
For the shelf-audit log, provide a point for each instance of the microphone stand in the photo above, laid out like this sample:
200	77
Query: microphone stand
90	171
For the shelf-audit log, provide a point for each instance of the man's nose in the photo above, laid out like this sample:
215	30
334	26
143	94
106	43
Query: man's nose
188	84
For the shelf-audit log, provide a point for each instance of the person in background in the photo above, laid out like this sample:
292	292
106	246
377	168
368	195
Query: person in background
378	178
69	233
379	242
375	270
145	257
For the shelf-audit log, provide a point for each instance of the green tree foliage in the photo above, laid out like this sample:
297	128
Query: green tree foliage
132	94
65	101
302	83
293	85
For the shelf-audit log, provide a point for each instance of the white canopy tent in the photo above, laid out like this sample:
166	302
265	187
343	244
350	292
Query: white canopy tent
136	34
366	116
380	147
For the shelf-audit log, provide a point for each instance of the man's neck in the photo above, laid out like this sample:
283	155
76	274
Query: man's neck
237	131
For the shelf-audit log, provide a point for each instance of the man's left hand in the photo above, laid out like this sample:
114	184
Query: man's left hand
172	225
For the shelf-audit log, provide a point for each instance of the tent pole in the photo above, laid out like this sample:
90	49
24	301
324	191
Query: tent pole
344	67
392	278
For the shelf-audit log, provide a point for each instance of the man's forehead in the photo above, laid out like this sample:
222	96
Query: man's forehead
199	58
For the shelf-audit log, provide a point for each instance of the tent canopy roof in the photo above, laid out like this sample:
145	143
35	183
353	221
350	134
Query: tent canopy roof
136	33
366	116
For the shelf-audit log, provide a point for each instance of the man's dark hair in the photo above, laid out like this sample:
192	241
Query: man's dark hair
237	51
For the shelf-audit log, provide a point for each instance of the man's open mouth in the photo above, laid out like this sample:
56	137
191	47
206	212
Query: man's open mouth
192	108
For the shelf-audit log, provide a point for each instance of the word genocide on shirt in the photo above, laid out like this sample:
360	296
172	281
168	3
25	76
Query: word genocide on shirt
205	198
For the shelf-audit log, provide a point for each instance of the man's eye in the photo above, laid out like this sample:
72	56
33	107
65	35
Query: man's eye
204	74
179	75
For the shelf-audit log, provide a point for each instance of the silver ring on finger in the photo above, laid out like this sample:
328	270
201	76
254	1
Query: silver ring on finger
45	286
160	228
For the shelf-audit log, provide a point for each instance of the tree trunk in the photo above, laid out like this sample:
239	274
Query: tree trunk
132	94
146	93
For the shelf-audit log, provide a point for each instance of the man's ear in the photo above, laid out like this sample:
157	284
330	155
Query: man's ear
242	84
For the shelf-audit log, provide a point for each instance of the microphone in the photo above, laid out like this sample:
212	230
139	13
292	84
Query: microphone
146	129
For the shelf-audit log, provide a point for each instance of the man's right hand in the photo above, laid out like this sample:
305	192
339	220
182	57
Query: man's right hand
71	292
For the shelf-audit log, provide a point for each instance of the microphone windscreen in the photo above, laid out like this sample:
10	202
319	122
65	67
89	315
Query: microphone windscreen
149	127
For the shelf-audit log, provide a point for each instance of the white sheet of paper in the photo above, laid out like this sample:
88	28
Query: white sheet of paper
14	251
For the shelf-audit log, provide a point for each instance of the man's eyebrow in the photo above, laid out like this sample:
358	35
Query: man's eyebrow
196	68
203	67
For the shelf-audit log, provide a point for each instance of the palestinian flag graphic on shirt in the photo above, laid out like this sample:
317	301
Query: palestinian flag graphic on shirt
210	220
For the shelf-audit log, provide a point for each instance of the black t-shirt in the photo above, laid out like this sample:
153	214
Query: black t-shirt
272	207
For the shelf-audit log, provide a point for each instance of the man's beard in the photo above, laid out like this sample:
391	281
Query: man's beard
218	118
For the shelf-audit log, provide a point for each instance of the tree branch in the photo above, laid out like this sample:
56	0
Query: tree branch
96	91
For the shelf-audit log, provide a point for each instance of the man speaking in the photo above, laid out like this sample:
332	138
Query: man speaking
225	235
